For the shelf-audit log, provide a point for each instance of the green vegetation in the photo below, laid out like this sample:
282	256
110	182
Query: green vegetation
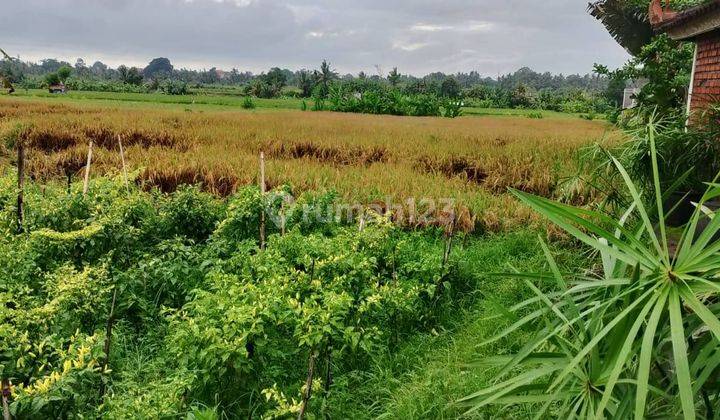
638	338
436	94
205	320
155	99
202	316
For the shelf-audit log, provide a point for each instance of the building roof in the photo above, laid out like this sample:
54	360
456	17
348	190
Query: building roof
692	22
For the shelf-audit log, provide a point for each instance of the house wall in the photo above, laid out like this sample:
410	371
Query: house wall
706	83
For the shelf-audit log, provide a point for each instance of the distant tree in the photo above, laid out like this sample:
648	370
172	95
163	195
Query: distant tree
11	71
52	79
123	73
261	89
394	77
521	97
276	79
99	69
324	77
615	91
362	75
210	77
450	88
64	72
51	65
158	67
80	67
130	76
305	83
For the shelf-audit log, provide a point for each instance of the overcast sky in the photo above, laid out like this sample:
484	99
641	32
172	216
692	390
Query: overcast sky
417	36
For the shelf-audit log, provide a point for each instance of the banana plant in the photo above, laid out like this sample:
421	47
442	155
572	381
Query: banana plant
642	338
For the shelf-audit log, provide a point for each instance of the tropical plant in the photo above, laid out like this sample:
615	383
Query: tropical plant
666	65
450	88
52	79
323	77
452	109
174	87
248	103
64	72
306	83
639	338
394	77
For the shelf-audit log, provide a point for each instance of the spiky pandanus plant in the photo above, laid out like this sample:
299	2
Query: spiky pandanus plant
640	339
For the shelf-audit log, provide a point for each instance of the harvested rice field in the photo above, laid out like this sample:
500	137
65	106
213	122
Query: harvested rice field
365	158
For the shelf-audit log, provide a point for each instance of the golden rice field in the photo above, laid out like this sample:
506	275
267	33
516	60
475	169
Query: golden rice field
365	158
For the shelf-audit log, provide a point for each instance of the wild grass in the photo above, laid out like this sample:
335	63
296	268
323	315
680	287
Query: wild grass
389	159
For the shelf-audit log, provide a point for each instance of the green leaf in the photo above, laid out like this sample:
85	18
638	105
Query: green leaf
646	351
682	368
622	357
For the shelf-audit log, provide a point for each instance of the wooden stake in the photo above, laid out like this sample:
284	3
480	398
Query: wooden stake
448	243
122	158
86	184
308	384
282	218
361	223
21	185
108	338
5	397
262	191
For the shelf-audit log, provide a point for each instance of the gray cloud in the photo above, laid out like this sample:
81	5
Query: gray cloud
418	36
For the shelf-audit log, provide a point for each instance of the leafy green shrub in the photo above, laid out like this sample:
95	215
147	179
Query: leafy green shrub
190	213
202	316
174	87
452	109
248	103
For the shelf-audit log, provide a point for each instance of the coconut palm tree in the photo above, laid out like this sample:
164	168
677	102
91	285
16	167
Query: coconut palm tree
325	76
305	82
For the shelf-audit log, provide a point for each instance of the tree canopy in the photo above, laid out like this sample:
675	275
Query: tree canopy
158	66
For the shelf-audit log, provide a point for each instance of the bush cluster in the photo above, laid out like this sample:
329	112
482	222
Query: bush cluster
203	316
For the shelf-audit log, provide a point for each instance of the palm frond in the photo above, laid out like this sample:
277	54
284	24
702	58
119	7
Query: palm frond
629	26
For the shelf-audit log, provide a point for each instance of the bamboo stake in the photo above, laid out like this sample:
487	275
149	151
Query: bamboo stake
282	218
86	184
21	185
361	223
308	384
108	338
449	240
122	158
5	397
262	191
